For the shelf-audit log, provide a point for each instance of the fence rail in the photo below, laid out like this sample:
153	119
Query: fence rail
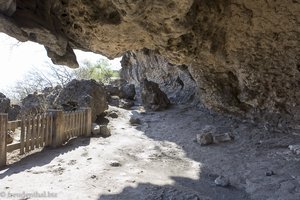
53	128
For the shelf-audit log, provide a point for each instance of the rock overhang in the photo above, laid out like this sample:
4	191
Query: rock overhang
243	55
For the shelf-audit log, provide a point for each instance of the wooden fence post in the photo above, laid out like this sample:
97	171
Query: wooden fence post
58	128
88	122
3	133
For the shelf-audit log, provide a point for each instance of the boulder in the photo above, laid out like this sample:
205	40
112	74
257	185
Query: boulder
104	131
222	181
134	120
152	97
122	89
95	129
84	93
208	135
33	104
101	130
4	103
204	138
13	112
121	103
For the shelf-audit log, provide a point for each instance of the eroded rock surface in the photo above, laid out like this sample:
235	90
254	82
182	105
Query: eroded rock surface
85	93
243	55
152	97
174	80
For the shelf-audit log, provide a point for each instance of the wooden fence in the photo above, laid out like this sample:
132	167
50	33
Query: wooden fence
53	128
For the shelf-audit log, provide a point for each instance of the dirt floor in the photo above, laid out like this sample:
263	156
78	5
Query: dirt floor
160	159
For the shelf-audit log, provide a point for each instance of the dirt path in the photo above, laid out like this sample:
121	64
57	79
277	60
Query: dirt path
160	159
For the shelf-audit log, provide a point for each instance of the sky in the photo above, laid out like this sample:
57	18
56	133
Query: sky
18	58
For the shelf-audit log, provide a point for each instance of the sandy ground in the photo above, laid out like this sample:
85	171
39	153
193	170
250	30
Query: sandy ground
160	159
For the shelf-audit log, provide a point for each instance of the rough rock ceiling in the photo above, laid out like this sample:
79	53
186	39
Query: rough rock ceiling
244	55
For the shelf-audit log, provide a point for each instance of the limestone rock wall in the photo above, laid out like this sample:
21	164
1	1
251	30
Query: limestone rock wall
244	55
173	80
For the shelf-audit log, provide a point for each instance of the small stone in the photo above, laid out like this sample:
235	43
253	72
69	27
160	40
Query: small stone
134	120
295	149
225	137
222	181
93	176
95	129
104	131
113	115
115	164
270	173
205	138
10	137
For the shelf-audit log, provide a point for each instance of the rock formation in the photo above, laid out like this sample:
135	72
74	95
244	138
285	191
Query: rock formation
174	80
5	107
152	97
243	55
121	88
33	104
4	103
84	93
76	94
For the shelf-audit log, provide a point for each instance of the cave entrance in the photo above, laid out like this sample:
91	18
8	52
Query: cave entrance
26	68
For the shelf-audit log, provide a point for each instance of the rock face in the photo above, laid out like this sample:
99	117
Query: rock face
85	93
152	97
174	80
243	55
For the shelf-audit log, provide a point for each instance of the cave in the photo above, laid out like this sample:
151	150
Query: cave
234	59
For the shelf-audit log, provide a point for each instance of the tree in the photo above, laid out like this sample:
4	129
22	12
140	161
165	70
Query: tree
99	71
36	80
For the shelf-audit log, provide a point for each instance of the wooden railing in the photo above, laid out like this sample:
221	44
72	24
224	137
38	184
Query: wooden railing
53	128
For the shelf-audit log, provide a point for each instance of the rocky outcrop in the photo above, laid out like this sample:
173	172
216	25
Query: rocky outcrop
243	55
173	80
84	93
152	97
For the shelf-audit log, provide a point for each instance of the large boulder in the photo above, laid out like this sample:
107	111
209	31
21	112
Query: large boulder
84	93
122	89
14	112
33	104
152	97
4	103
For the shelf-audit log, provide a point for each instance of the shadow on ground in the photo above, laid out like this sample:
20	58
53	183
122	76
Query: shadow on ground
181	129
43	157
244	161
